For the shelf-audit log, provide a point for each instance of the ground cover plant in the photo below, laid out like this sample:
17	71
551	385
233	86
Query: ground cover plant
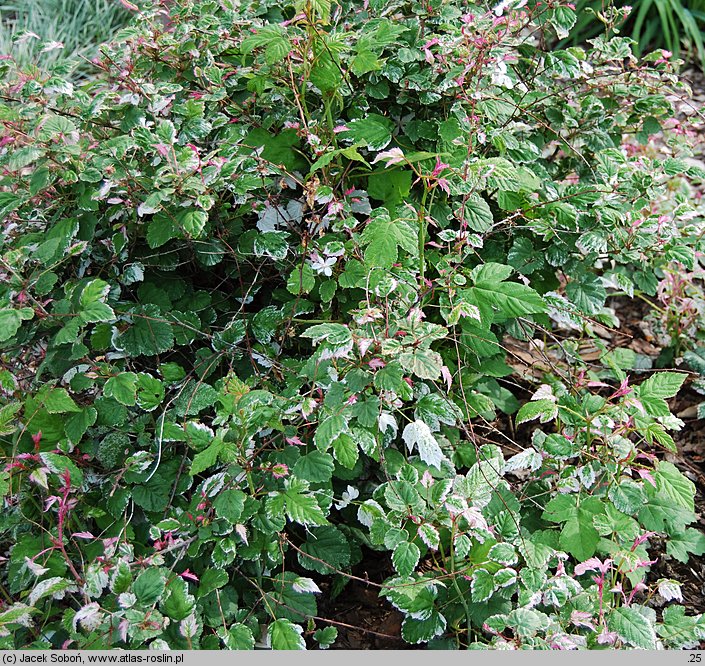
260	278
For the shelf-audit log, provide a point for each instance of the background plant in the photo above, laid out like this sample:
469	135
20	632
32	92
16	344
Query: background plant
259	282
45	31
667	24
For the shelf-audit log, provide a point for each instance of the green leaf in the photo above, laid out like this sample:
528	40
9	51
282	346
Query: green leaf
345	450
7	417
150	392
59	465
392	186
160	230
365	61
315	467
578	536
632	627
587	293
405	557
420	631
78	423
177	602
680	631
383	238
285	635
301	280
482	585
337	335
55	587
11	320
434	409
477	214
325	637
509	298
123	388
96	312
212	579
148	334
374	131
328	430
662	385
272	39
690	541
58	401
9	202
672	485
272	244
206	458
239	637
299	505
424	363
545	410
327	549
229	505
149	586
94	291
628	496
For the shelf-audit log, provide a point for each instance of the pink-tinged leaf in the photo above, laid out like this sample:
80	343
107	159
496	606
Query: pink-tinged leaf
241	532
82	535
593	564
188	575
582	619
392	156
646	475
607	637
445	373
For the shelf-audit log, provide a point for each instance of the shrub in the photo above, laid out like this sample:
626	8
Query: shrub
260	280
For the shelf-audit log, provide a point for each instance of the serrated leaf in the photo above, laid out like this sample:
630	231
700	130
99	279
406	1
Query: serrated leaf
424	363
628	496
299	505
632	627
239	637
374	131
405	557
55	587
272	39
662	385
122	387
673	485
149	586
418	435
477	214
148	334
587	293
682	545
206	458
229	505
11	320
345	450
285	635
326	549
315	467
545	410
482	585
